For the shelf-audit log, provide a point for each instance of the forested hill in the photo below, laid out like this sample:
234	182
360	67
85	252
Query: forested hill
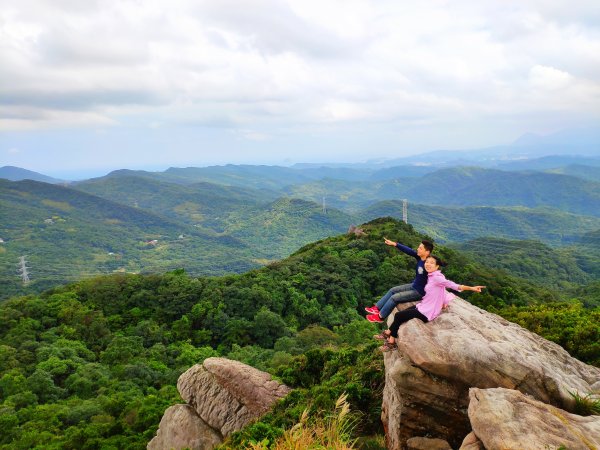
458	224
94	364
204	204
68	234
476	186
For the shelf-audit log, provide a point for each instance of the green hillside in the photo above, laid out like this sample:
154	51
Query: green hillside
67	234
459	224
530	260
591	173
461	186
202	204
94	364
281	227
475	186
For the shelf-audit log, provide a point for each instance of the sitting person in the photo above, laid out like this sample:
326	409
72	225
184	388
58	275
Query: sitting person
436	297
407	292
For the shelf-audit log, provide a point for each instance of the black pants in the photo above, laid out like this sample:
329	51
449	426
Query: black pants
404	316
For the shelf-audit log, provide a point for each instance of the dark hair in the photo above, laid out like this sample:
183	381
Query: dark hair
438	261
428	245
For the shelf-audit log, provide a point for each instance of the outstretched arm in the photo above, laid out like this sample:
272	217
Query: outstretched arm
409	251
471	288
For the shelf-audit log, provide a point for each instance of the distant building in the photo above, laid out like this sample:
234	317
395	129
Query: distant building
48	221
152	242
1	241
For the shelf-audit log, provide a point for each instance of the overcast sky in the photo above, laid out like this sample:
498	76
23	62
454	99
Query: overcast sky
94	85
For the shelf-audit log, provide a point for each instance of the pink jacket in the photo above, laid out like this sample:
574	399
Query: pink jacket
436	295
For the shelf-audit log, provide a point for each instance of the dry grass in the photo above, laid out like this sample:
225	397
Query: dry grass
332	432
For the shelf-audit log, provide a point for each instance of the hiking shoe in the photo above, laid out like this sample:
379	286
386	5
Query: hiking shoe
381	336
388	347
374	318
372	310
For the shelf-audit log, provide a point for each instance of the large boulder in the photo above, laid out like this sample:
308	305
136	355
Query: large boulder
180	427
428	378
222	396
505	419
228	394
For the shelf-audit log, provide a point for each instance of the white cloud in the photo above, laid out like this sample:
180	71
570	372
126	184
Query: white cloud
543	77
295	64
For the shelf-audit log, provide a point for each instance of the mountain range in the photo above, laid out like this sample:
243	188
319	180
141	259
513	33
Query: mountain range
223	219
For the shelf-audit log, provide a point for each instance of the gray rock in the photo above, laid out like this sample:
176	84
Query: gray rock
223	396
227	394
507	419
428	378
180	427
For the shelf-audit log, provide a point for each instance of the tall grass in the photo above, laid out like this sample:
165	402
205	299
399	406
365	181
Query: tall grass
332	432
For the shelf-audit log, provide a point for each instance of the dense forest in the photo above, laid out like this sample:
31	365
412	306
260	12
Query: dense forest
94	364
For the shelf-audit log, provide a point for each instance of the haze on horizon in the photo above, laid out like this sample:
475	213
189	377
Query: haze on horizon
87	87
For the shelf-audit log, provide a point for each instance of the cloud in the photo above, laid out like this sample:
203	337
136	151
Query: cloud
549	78
294	65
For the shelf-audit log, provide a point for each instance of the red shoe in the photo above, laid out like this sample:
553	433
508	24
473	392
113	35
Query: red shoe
374	318
372	310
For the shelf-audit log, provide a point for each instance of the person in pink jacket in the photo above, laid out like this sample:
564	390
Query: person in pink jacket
435	299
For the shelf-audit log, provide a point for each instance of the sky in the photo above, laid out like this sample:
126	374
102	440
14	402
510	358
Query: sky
88	86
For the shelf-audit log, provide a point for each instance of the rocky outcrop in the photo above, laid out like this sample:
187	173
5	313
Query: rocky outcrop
428	379
222	396
180	427
507	419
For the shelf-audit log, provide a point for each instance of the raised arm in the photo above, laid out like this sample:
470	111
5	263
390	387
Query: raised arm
409	251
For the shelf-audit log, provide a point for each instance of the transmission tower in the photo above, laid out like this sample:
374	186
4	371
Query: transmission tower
23	270
324	208
405	210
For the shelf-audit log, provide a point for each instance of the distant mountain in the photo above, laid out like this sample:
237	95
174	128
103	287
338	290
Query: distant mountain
460	186
395	172
202	204
12	173
470	186
580	141
273	228
285	225
550	162
591	173
68	234
460	224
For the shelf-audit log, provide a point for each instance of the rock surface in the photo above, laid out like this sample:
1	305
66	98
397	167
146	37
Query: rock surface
180	427
428	378
222	396
507	419
421	443
471	442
